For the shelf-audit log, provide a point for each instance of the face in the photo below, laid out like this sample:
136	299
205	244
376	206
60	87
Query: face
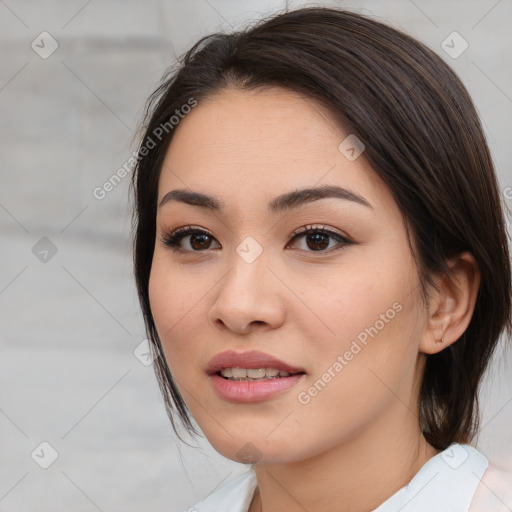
328	286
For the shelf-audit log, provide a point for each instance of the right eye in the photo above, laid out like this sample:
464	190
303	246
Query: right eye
198	239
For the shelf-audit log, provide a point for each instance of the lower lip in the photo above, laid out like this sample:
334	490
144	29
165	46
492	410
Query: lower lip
255	391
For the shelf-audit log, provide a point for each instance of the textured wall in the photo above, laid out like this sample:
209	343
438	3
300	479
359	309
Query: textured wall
73	81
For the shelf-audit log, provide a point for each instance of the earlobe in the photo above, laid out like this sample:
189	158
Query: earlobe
452	304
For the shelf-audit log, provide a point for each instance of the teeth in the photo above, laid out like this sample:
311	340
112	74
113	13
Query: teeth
252	373
227	372
255	374
239	373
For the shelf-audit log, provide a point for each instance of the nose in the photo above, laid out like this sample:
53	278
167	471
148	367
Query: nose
248	297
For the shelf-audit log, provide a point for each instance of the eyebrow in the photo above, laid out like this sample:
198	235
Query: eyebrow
284	202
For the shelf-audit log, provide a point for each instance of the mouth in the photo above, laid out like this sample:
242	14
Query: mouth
254	374
252	364
251	376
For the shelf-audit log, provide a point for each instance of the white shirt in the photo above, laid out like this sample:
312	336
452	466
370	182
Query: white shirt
446	483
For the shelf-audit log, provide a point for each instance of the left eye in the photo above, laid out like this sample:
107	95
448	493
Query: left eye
198	240
318	240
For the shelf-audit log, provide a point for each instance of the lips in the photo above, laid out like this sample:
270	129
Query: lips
239	390
251	359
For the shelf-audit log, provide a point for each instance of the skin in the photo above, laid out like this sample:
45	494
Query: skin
494	493
358	440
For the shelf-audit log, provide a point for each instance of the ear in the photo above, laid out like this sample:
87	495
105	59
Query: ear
451	305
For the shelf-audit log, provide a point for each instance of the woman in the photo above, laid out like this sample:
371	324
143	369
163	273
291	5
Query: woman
322	265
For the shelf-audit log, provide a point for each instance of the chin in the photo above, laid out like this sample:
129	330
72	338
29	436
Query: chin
255	450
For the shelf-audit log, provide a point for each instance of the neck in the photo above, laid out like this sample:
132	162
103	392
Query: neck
357	475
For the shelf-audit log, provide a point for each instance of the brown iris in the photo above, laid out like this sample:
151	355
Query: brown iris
200	241
317	240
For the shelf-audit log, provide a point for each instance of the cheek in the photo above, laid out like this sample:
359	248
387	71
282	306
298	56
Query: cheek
366	301
373	351
374	318
174	301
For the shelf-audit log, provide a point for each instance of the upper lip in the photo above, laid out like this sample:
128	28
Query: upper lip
252	359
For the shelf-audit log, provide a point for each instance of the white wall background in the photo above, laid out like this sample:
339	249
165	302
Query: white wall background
69	325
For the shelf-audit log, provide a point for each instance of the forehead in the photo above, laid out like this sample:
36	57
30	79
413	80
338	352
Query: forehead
254	145
264	126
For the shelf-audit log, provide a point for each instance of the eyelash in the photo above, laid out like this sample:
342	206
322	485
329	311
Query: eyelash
174	238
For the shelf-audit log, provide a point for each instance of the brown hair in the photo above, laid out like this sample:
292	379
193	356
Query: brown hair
422	136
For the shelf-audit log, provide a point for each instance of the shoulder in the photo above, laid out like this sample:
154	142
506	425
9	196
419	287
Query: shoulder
234	496
494	492
446	483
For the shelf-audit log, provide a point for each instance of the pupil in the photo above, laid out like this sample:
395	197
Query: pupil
319	241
